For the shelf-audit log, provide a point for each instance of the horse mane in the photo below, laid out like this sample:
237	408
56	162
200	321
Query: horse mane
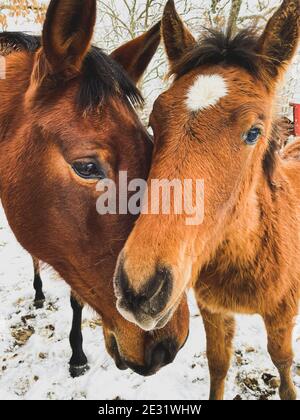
104	78
101	77
216	47
18	41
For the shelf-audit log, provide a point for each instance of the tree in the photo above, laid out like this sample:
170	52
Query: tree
120	20
34	9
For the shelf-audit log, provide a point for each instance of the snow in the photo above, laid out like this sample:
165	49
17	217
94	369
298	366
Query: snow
39	369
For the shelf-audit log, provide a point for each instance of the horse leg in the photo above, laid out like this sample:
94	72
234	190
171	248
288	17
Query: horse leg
220	331
78	363
280	330
39	299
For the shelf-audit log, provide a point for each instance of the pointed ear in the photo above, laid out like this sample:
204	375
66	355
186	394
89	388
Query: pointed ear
280	39
136	55
177	37
67	34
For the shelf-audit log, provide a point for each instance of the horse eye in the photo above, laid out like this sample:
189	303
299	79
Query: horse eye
252	136
88	170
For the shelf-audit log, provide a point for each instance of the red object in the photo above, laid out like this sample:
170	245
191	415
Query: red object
296	119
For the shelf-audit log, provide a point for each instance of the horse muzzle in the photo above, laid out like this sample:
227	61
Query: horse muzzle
146	308
157	355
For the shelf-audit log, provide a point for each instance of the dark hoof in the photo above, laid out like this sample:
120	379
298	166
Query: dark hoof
39	304
77	371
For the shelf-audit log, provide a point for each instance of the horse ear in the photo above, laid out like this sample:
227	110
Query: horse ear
279	41
177	38
67	34
136	55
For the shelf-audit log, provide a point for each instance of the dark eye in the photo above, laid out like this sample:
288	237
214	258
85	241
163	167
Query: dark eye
252	136
88	170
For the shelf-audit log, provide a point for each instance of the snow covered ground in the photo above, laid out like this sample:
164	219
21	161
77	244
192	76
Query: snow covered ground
34	348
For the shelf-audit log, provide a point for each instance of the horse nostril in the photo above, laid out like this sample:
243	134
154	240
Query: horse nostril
157	292
151	299
162	354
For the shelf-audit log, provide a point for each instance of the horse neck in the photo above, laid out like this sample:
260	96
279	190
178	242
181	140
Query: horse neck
256	218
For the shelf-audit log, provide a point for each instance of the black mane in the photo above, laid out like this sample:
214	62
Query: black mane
216	47
18	41
101	77
104	78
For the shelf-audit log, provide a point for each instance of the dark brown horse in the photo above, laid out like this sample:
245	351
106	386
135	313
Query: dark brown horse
216	123
67	123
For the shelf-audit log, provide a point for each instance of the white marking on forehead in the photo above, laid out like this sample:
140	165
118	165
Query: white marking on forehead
206	92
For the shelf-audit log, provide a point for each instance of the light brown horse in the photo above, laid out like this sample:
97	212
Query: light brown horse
67	122
216	123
